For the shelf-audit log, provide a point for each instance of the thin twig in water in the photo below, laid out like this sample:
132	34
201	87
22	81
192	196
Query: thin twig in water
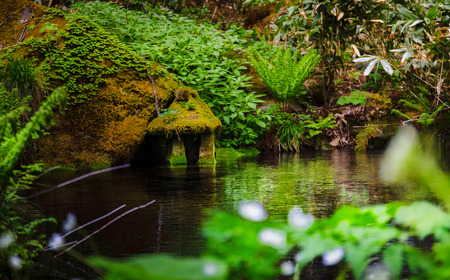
45	172
103	227
76	179
85	225
93	221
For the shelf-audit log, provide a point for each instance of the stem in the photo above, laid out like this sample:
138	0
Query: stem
153	86
103	227
22	36
76	179
7	19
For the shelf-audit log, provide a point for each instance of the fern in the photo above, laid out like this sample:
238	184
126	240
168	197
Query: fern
412	105
13	140
284	74
363	137
397	112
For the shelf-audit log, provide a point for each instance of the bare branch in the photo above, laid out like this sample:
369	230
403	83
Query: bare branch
106	225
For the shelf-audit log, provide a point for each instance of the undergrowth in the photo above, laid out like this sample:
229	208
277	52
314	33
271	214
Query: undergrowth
201	56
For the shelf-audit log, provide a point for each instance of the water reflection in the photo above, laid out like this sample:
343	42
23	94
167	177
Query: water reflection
318	182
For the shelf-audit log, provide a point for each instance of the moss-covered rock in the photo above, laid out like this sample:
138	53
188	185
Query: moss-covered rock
187	114
111	99
189	125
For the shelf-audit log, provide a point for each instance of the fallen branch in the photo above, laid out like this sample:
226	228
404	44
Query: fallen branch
103	227
22	36
153	86
6	20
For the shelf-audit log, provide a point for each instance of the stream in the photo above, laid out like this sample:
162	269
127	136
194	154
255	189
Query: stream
319	182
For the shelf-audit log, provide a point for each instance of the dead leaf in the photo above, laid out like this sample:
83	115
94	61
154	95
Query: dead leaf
335	142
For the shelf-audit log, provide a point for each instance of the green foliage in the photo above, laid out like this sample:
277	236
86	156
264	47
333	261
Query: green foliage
425	112
200	55
363	137
319	125
10	100
81	57
23	75
292	130
161	267
356	97
23	228
284	74
13	140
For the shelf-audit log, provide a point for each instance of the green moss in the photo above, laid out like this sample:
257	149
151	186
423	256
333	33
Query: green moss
227	153
111	99
187	114
248	151
178	160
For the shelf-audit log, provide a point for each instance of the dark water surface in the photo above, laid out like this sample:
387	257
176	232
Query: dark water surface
318	182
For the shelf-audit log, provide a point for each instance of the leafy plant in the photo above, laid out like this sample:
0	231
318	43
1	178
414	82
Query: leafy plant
22	229
284	74
14	139
356	97
363	137
19	243
23	75
10	100
201	56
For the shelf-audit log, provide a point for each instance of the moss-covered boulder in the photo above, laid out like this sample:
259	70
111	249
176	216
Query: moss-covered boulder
188	126
111	96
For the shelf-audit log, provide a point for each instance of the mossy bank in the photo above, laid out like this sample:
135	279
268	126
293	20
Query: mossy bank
110	92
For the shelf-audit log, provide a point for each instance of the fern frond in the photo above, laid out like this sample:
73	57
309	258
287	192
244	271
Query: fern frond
284	74
363	137
397	112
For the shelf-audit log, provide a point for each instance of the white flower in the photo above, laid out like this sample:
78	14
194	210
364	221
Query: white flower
287	268
210	269
377	271
15	262
252	210
70	222
6	240
298	219
298	257
56	241
332	257
393	166
272	237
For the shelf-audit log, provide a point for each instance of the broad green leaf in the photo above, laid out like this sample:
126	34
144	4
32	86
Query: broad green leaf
261	123
161	267
393	259
425	218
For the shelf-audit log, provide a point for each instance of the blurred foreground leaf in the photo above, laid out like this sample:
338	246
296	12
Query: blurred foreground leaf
161	267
